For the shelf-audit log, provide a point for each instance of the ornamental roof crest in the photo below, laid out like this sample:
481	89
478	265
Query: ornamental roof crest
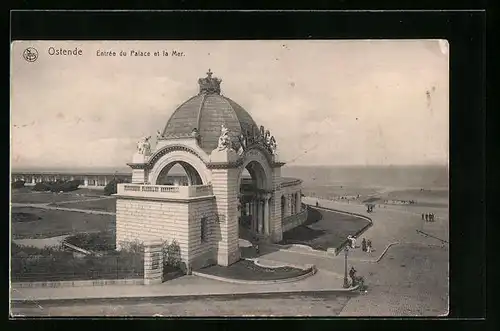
209	84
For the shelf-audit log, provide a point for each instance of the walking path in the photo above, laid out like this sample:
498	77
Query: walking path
184	286
389	228
46	206
390	225
80	200
41	243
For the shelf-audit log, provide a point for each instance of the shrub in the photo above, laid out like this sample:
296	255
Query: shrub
135	247
42	187
111	188
172	254
18	184
71	185
100	241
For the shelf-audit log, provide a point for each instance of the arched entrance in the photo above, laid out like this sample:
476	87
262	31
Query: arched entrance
179	173
255	200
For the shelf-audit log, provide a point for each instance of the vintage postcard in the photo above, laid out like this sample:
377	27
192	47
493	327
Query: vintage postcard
229	178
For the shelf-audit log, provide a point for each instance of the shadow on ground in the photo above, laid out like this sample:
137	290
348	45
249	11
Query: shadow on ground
325	229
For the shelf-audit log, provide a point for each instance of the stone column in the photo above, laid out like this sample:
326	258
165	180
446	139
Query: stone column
226	189
266	215
86	181
153	262
105	180
298	198
33	180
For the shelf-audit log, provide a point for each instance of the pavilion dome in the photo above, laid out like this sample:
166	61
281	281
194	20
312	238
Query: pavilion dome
207	112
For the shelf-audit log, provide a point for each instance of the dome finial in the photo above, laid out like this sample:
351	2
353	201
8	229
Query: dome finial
209	84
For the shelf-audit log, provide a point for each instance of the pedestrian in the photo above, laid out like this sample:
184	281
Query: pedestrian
352	274
369	246
422	216
426	217
317	204
363	245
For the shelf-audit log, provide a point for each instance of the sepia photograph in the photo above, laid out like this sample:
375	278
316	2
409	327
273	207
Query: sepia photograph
229	178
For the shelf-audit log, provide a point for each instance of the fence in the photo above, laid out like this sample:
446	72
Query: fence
67	267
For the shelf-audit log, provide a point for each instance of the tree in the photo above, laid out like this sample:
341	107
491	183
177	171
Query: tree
111	188
18	184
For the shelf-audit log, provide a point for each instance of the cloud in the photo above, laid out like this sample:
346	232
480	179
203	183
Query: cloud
343	102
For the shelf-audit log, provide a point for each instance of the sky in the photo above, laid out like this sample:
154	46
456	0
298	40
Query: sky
344	102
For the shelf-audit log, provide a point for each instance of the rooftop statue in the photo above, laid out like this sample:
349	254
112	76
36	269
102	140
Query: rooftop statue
144	146
272	145
224	139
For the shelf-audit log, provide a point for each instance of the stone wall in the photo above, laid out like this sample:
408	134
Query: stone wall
168	220
143	220
202	251
293	221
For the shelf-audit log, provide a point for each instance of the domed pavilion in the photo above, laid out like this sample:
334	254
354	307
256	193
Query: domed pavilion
233	190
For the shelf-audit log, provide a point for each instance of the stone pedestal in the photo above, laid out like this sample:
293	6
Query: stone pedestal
153	262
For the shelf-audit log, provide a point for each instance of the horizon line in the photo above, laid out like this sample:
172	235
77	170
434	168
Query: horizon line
286	165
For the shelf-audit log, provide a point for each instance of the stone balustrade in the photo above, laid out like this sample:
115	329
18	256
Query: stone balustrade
164	191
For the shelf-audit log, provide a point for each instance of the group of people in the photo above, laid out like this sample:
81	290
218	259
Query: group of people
428	217
366	245
399	202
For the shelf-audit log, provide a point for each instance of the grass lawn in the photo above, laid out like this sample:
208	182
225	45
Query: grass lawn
51	223
108	205
32	264
248	270
324	229
23	196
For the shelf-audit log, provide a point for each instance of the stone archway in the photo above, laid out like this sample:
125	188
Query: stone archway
193	177
194	167
255	196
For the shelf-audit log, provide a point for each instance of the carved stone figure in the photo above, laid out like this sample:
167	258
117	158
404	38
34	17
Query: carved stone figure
249	137
224	139
243	141
267	138
196	134
144	146
272	145
159	136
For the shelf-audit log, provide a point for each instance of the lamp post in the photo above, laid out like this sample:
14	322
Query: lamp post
346	281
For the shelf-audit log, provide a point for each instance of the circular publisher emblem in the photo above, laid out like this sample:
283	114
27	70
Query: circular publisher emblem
30	54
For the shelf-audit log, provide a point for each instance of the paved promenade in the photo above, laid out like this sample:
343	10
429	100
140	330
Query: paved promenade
183	286
408	278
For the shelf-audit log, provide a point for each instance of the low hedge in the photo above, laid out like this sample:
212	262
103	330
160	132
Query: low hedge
53	264
57	186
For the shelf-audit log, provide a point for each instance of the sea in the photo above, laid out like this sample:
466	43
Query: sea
397	177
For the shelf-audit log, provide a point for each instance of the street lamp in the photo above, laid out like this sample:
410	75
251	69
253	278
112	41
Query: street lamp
346	281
